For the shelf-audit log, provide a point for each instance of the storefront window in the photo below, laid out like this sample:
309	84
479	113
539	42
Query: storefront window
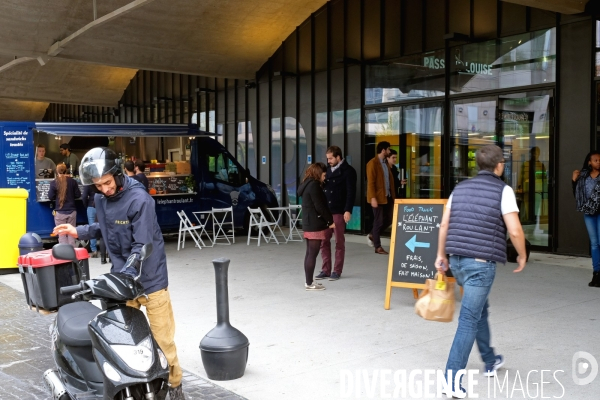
353	128
407	78
520	60
415	132
276	157
241	143
251	151
321	139
290	159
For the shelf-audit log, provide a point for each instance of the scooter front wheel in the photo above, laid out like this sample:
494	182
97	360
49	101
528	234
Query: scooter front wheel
139	392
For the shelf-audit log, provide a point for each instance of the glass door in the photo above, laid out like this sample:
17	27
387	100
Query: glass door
524	123
473	126
520	123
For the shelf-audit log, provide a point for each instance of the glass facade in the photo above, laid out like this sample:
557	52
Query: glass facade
408	78
437	79
521	60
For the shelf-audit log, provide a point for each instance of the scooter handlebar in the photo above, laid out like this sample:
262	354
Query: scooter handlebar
71	289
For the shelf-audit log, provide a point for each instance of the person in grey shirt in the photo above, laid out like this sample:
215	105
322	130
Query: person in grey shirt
42	163
71	159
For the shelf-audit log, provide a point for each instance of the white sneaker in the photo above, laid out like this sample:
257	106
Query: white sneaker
456	394
314	286
370	240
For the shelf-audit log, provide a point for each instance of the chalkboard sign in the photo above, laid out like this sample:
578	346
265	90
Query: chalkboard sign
168	184
17	157
414	243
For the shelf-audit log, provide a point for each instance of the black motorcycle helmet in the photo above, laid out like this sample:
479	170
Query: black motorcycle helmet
98	162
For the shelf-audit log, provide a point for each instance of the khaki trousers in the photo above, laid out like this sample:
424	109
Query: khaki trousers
162	325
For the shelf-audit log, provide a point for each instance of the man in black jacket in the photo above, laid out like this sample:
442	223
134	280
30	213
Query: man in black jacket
340	190
127	221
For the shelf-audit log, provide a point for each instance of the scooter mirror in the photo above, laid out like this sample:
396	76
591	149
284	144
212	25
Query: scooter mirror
64	251
146	251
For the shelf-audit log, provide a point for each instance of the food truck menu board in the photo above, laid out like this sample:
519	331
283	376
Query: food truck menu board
163	185
166	184
17	155
42	186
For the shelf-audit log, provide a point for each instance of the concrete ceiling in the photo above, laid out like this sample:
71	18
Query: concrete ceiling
91	61
55	51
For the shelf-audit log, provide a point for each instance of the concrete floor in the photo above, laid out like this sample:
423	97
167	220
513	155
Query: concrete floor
341	343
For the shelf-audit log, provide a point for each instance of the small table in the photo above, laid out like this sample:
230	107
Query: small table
281	210
200	217
219	216
294	213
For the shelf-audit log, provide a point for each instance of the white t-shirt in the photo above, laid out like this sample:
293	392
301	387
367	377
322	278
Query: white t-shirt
507	205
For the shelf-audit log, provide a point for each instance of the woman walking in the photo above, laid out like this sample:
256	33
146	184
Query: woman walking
64	190
316	219
586	188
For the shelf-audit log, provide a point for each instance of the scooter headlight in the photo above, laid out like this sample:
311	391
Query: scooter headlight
163	360
138	357
111	373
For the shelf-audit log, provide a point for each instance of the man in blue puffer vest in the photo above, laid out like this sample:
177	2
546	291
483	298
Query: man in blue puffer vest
127	221
478	215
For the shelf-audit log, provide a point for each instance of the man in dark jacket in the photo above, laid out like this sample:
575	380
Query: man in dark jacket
479	213
127	221
139	168
340	190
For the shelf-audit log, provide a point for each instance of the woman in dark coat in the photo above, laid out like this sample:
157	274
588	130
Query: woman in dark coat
316	219
64	190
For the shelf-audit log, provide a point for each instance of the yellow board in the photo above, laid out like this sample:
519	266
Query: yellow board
409	285
13	202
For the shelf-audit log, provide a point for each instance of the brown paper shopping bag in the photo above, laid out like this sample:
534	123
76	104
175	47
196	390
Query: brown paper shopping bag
437	302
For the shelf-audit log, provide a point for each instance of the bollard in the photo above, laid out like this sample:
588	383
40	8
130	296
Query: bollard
224	349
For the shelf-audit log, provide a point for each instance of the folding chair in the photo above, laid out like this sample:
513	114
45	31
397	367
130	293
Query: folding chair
185	227
203	222
219	220
295	211
258	220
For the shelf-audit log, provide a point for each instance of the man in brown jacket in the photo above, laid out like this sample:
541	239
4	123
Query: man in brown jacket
381	194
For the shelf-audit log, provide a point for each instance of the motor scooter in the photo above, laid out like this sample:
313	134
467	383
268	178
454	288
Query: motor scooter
109	353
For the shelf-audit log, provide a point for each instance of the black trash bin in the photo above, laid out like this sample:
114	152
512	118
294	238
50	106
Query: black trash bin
29	243
45	275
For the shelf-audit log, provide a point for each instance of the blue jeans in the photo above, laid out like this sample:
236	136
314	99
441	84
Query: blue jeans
592	223
476	278
91	214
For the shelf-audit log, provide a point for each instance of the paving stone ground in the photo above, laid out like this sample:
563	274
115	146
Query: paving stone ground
25	354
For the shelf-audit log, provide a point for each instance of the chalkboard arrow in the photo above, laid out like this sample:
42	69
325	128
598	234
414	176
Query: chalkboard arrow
412	243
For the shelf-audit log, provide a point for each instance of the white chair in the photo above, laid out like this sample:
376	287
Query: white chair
203	217
258	220
220	220
295	211
185	227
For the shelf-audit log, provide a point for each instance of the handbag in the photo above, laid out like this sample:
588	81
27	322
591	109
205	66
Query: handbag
437	302
592	205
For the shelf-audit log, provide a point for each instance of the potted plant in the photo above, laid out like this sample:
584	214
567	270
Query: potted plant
190	182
